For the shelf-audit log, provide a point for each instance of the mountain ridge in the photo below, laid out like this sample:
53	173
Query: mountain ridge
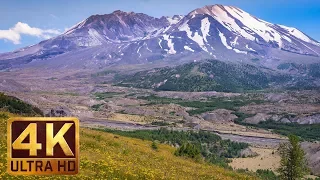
214	31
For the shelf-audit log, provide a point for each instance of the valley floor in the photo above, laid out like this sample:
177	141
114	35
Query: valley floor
104	105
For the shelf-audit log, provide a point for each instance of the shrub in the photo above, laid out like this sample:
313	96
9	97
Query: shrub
154	145
266	174
188	150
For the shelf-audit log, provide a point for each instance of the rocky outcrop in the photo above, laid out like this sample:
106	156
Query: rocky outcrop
311	119
248	153
300	119
219	115
260	117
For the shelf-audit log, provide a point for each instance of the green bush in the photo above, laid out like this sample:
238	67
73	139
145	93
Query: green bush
266	174
160	123
154	145
188	150
96	107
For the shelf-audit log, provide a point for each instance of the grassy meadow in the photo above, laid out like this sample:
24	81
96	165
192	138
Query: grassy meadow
108	156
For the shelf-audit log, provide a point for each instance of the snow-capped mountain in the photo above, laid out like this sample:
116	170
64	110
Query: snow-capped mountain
217	31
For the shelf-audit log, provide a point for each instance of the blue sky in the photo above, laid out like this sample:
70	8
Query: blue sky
41	19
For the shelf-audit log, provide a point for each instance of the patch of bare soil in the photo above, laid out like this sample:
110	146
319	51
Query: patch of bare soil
132	118
266	159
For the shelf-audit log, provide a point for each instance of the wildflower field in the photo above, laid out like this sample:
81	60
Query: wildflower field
108	156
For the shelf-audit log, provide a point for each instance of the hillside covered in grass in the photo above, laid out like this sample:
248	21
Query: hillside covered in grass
204	144
14	105
108	156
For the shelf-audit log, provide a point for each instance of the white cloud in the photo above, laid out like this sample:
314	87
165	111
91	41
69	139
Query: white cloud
10	35
14	34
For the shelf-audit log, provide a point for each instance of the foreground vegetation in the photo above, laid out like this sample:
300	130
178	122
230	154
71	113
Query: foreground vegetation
192	144
15	105
106	156
293	164
112	154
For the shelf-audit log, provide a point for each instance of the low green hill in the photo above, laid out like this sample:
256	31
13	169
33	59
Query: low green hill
199	76
214	75
14	105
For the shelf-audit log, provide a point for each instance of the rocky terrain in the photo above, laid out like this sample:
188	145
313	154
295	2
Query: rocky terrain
104	105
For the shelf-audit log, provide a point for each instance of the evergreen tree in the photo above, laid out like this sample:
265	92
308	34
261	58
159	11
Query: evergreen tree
293	165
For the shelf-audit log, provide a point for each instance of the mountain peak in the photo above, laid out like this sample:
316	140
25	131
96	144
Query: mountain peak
214	10
174	19
120	12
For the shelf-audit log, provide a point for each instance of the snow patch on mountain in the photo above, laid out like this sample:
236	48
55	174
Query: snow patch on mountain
249	27
138	51
147	47
188	48
234	42
298	34
247	46
224	40
238	51
224	19
170	44
286	38
77	26
160	41
94	39
196	38
260	27
205	28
